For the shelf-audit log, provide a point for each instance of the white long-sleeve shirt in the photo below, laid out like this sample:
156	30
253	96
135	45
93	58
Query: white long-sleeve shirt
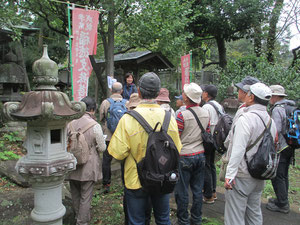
247	129
213	114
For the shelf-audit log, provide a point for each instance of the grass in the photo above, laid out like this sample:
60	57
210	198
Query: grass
110	205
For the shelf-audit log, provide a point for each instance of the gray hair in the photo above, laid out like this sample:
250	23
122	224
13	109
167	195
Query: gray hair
117	87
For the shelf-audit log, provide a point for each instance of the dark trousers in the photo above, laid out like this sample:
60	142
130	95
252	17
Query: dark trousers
191	170
281	181
210	176
106	166
138	206
148	211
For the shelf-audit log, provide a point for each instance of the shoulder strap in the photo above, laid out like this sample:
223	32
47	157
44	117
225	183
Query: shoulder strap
262	134
88	126
71	127
197	119
166	121
141	120
215	107
110	100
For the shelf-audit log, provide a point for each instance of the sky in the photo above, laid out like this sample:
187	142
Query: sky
295	40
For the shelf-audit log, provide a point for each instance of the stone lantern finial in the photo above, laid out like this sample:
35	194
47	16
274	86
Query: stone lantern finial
45	103
46	72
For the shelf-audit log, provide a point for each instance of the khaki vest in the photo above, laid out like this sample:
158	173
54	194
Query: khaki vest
191	135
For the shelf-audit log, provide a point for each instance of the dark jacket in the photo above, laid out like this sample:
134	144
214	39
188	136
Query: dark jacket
128	90
279	117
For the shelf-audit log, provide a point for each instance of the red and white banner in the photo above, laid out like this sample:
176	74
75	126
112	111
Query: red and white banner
185	69
84	25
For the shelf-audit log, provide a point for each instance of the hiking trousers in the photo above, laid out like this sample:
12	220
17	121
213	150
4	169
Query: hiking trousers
281	181
243	202
106	166
210	177
191	171
82	194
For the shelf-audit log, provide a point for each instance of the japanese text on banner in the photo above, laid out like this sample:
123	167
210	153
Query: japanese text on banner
84	23
185	69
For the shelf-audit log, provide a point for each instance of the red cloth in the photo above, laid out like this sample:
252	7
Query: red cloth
84	25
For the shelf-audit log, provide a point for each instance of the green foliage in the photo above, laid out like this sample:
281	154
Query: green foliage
268	190
105	204
12	137
6	184
211	221
96	199
8	155
7	140
9	17
158	25
269	74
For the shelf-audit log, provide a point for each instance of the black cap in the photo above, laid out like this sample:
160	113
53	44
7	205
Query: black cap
211	90
246	81
150	82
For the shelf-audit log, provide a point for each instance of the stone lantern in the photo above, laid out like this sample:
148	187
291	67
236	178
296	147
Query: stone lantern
47	112
12	79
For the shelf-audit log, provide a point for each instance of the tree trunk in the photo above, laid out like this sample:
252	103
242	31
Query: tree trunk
102	80
110	44
272	30
222	52
257	40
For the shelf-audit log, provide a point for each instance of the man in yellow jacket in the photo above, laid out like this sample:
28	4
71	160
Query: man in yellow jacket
129	142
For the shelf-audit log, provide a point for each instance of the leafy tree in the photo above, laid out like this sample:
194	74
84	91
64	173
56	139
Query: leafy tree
259	67
56	17
157	25
274	30
224	21
9	17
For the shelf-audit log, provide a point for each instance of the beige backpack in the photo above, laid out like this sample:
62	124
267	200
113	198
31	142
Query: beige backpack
77	144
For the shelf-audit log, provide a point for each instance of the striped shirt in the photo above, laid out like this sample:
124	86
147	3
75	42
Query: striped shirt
180	120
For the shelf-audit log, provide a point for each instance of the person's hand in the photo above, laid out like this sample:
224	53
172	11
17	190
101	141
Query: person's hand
228	183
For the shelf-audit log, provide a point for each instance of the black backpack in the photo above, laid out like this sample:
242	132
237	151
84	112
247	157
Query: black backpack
292	129
158	170
263	165
222	129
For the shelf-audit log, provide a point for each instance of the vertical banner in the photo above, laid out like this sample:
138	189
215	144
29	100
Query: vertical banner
84	24
185	70
191	66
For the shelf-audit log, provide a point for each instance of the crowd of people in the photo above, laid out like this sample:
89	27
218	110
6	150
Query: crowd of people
127	143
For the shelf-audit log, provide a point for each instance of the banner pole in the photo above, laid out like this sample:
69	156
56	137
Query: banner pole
191	66
70	46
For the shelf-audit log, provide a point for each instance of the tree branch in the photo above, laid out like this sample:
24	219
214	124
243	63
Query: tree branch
126	50
209	64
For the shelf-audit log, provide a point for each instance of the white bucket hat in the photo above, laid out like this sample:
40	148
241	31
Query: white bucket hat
277	90
261	91
193	91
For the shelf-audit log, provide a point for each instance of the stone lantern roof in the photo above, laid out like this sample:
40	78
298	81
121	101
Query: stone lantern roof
10	71
45	103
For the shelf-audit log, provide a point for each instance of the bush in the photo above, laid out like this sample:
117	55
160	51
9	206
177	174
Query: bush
269	74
